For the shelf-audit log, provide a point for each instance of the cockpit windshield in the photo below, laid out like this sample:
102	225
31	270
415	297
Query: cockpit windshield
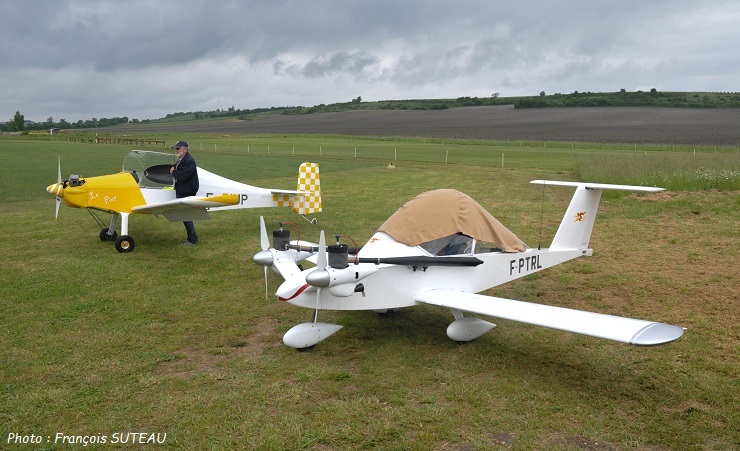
458	244
150	169
455	244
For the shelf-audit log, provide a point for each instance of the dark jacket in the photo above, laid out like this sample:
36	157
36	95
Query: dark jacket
186	176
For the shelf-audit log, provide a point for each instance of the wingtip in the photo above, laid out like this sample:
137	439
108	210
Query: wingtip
656	334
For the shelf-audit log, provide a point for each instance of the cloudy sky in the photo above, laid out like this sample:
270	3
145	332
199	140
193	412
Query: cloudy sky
78	59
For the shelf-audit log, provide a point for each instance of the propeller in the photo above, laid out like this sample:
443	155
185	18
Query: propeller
321	272
264	257
320	277
264	239
321	261
59	183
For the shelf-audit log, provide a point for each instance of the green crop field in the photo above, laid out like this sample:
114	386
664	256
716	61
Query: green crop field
179	343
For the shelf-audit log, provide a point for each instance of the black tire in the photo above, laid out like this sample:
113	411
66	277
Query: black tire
104	236
125	243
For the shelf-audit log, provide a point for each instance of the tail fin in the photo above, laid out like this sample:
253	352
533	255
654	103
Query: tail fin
309	184
575	229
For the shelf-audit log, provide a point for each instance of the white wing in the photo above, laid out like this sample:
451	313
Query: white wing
617	328
187	208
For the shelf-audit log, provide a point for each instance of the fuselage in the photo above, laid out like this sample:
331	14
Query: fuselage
396	286
114	193
121	192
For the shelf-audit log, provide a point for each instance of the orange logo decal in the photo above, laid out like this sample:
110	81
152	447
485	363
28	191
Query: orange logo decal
580	215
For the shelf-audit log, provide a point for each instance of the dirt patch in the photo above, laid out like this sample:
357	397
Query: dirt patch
189	361
503	439
574	441
688	408
654	197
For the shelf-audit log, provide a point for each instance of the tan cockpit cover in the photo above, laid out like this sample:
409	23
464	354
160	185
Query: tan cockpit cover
439	213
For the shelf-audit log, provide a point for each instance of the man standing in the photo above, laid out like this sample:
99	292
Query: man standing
185	173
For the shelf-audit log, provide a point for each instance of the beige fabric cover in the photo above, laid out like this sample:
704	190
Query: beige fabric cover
439	213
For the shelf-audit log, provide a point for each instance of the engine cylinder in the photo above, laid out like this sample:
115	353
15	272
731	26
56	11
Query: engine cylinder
280	239
338	255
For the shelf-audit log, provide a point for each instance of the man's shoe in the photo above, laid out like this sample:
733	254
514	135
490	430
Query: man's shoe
188	243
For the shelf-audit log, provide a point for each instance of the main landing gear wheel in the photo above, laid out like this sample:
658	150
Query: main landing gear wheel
105	236
125	243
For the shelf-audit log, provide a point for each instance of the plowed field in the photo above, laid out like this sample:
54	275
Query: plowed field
606	125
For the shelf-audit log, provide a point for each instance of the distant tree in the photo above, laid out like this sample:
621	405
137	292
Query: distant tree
357	100
653	90
19	122
494	95
542	93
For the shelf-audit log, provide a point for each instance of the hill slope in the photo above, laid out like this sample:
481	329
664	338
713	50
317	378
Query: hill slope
585	124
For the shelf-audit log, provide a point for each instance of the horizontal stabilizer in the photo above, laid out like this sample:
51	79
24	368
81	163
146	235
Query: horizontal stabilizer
617	328
646	189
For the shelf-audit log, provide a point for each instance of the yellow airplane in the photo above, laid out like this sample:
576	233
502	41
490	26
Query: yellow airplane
145	186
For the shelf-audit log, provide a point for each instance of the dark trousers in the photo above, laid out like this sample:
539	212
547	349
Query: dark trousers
190	228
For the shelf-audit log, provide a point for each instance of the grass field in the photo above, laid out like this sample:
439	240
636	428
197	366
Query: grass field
181	341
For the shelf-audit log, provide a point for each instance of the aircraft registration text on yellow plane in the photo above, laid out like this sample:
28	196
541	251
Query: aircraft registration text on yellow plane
145	186
441	248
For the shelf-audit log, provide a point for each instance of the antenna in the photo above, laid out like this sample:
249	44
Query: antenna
542	213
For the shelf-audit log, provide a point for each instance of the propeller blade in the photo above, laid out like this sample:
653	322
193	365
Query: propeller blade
264	240
315	316
320	266
264	245
320	277
321	262
59	182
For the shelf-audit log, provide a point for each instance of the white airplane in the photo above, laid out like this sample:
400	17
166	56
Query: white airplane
145	186
441	248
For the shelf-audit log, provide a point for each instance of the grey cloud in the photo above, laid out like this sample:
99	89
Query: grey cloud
287	52
352	63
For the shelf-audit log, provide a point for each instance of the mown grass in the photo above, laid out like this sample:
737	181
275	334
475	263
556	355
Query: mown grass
181	340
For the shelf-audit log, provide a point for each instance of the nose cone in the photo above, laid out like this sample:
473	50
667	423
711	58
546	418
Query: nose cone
318	278
263	258
56	189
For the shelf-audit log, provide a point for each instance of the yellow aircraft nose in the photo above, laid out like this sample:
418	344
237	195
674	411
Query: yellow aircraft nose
56	189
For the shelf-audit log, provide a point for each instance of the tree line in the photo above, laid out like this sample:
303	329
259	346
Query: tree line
19	124
653	98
